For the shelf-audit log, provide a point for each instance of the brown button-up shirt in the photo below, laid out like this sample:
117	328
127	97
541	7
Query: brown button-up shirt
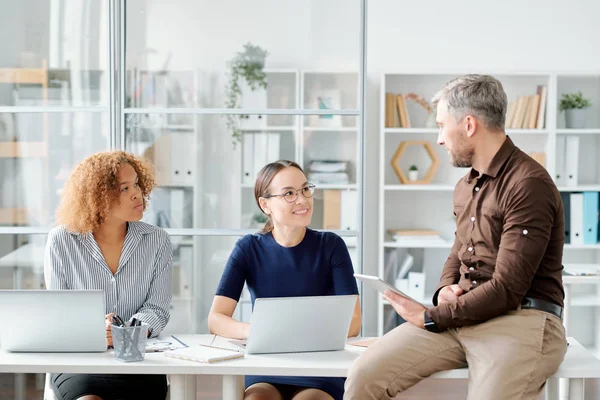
508	242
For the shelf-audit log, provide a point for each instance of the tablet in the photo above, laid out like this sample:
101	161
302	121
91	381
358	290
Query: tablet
381	286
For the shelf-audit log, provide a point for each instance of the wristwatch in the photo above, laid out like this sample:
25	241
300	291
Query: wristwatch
430	324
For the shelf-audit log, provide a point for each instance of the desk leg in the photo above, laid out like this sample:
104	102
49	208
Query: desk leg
233	387
20	386
182	387
576	389
551	389
17	278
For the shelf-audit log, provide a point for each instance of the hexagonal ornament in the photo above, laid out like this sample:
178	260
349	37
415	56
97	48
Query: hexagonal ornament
435	161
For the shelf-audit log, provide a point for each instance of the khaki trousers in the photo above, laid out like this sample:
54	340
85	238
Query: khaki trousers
509	357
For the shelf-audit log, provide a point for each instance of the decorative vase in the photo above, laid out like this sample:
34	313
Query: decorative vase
413	175
575	118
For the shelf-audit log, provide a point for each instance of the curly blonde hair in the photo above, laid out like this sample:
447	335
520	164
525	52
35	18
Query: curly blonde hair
92	189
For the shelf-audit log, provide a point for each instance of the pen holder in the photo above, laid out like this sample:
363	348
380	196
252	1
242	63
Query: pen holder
129	342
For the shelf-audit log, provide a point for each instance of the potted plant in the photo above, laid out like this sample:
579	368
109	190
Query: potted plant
247	65
413	173
574	105
258	220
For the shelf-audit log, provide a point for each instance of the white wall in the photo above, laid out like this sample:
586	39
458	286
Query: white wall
461	35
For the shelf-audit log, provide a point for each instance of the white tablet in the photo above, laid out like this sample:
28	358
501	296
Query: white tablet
381	286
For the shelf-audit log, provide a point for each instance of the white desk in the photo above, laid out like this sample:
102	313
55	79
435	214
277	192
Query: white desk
579	365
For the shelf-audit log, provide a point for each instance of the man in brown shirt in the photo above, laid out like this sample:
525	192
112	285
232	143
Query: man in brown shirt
498	306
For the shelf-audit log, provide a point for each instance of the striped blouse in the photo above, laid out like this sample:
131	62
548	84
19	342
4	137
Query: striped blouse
140	288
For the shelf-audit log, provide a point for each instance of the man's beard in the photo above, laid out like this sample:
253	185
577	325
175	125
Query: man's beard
462	158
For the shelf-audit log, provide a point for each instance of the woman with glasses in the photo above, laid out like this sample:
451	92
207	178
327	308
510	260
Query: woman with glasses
285	259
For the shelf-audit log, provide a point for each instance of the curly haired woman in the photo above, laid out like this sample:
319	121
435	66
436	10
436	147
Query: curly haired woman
100	243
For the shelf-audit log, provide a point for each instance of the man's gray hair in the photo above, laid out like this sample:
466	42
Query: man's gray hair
480	95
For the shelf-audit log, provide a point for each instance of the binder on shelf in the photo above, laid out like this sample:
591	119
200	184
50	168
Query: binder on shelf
261	143
332	202
590	217
566	199
173	156
416	285
248	159
182	158
571	160
559	175
186	261
273	146
348	210
177	197
577	218
253	100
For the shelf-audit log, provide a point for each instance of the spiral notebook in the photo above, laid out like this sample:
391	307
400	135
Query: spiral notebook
205	354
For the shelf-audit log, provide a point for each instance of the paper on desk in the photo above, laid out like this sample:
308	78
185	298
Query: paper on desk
162	343
363	343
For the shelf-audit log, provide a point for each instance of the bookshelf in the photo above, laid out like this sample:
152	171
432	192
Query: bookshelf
429	206
27	150
306	140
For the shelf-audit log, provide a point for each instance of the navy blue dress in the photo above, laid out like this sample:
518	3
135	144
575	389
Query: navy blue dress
320	265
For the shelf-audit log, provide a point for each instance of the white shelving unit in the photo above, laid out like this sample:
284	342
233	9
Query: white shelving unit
429	206
308	138
169	141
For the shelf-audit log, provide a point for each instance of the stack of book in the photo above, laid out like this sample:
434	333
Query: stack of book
328	172
396	113
527	112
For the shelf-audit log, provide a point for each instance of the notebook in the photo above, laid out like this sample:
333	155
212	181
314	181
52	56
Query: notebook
205	354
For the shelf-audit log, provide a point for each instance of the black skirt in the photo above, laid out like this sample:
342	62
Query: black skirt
109	387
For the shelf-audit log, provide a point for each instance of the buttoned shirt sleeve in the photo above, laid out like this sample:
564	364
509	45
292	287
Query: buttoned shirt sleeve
451	271
54	274
155	309
531	209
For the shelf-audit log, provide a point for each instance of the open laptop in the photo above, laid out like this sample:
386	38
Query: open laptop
52	321
300	324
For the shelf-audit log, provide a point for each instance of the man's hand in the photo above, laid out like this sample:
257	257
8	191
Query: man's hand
449	294
410	310
109	342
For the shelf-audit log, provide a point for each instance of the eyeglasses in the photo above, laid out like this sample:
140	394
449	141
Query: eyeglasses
291	195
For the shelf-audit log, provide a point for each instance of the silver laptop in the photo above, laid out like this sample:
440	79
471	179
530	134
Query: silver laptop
300	324
52	321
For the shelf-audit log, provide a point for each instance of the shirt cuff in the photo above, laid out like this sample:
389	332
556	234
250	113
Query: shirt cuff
441	285
441	315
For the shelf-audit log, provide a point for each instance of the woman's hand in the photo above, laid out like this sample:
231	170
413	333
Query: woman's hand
109	317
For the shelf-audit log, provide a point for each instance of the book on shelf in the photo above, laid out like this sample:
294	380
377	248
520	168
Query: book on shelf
527	112
396	112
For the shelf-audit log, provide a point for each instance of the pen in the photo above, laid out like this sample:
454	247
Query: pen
183	344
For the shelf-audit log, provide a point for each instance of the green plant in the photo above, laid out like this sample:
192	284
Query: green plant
247	65
413	168
573	100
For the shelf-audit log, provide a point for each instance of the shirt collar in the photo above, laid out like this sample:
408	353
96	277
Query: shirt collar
500	158
133	229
